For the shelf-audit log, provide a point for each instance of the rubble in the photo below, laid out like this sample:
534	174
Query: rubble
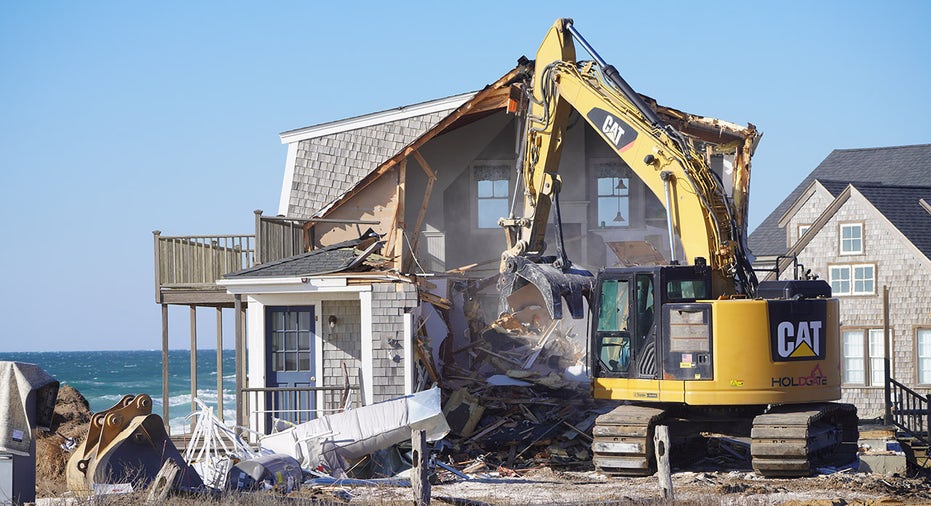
515	391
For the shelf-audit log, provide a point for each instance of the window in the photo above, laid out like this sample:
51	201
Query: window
863	357
290	331
492	181
851	239
877	356
802	229
839	279
854	370
863	279
924	356
856	279
613	195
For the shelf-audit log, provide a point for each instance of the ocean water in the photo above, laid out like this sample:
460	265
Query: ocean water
104	377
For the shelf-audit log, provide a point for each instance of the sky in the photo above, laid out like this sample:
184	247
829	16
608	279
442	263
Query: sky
120	118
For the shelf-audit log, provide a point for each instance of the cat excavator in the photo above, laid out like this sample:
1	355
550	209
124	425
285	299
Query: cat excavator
696	344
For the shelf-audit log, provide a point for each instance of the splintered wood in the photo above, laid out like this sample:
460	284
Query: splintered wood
516	389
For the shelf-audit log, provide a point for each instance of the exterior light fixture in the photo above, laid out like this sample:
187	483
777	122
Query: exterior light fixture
332	320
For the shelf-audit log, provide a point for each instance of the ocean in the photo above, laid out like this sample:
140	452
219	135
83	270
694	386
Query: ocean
104	377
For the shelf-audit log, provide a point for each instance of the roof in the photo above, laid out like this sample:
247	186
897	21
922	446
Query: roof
889	166
902	206
335	258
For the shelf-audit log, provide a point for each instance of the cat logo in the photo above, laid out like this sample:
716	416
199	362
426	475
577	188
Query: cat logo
618	133
798	329
799	340
612	129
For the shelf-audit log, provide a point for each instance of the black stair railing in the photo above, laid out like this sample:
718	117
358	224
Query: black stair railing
910	411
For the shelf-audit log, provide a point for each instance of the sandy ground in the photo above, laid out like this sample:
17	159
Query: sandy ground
546	486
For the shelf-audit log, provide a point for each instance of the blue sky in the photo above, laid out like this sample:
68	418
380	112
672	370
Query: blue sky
119	118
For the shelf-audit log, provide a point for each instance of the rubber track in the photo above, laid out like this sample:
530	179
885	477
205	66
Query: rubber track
794	440
623	441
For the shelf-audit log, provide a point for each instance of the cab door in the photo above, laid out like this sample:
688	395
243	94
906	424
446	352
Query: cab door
624	330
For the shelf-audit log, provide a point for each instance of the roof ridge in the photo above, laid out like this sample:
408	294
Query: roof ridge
866	184
881	148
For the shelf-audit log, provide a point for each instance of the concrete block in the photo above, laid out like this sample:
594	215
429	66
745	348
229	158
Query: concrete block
882	463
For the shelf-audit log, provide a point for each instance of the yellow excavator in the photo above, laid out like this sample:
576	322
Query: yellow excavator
696	344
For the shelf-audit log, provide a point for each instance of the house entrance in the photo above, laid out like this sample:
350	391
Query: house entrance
289	338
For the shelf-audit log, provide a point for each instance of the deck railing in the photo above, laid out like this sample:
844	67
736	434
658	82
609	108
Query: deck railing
197	261
293	404
911	411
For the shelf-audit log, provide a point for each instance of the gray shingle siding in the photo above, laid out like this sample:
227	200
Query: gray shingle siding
900	165
341	345
390	302
327	167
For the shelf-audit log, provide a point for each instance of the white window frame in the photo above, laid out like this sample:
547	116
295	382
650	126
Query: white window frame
801	230
856	341
834	276
476	198
923	375
870	342
841	240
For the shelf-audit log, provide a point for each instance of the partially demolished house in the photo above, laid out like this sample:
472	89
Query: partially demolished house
396	288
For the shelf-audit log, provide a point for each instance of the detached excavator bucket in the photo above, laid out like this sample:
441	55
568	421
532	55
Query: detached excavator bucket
553	283
126	444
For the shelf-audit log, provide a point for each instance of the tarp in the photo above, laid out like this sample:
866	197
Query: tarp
27	401
358	432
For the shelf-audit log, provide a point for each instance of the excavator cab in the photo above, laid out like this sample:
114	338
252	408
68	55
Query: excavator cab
627	327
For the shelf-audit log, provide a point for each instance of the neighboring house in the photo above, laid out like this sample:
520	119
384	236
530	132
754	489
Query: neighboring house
398	212
862	221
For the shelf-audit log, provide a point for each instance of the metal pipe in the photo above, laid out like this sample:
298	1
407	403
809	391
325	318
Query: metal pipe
615	77
667	176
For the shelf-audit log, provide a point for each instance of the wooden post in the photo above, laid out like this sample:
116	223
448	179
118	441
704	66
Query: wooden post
240	359
258	255
220	363
193	357
165	418
887	363
158	267
661	445
399	216
420	474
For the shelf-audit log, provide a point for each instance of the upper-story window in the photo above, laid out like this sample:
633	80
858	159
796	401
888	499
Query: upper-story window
492	182
613	195
802	229
851	239
855	279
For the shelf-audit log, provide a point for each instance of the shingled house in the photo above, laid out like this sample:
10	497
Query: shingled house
862	221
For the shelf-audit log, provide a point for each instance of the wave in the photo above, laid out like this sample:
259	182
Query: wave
207	396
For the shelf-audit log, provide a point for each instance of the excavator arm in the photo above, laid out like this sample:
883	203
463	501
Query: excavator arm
703	219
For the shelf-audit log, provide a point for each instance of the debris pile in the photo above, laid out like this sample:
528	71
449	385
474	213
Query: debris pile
516	392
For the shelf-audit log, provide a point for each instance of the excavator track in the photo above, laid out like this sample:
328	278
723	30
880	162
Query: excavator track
794	440
623	441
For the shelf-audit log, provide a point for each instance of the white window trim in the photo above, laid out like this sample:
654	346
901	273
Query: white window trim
850	268
840	239
918	357
866	357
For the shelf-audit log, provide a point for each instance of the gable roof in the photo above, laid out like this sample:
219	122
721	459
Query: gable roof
889	166
325	161
902	206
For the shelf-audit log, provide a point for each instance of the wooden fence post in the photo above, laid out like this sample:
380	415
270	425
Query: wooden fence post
661	445
420	474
